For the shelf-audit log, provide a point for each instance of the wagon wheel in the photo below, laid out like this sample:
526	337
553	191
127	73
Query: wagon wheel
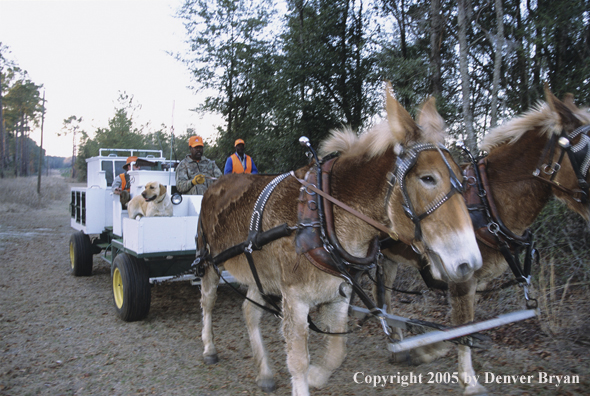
131	288
81	254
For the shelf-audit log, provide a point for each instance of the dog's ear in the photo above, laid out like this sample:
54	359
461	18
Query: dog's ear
162	189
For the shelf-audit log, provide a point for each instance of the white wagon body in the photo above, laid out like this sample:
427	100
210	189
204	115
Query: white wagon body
141	252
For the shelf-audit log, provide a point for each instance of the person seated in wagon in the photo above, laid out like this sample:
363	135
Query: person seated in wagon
121	184
196	173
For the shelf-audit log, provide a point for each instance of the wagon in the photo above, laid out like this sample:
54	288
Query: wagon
141	252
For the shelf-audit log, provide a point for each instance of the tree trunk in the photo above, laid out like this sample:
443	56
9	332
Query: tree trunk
2	134
497	62
471	142
522	63
41	148
435	46
17	142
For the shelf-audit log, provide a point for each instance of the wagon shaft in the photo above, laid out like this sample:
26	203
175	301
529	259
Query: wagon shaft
461	331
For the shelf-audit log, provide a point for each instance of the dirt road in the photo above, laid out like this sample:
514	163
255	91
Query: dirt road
59	335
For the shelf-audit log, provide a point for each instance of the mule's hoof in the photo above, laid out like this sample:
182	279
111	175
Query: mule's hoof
267	385
211	359
317	376
401	358
478	390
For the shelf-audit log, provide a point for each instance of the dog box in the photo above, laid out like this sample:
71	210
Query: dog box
165	235
90	209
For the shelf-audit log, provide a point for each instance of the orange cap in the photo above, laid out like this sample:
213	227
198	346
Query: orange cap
129	160
238	142
195	141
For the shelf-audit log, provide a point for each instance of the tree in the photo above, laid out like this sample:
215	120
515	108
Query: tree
121	133
7	65
497	62
22	107
436	33
463	19
71	126
229	48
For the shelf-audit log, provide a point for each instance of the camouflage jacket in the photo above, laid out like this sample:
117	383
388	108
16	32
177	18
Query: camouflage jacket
188	169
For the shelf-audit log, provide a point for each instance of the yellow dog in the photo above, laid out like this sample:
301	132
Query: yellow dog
153	201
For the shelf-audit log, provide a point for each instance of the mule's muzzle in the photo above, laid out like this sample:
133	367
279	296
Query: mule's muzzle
464	270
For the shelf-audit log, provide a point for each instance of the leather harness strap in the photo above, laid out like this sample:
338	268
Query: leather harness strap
350	210
489	228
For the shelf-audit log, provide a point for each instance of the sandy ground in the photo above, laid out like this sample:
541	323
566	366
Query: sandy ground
59	335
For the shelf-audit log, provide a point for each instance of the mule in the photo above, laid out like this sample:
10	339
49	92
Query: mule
359	178
515	151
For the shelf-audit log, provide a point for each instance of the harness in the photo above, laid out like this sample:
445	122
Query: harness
491	231
316	237
579	156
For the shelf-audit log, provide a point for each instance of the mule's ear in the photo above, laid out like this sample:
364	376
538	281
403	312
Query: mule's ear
568	100
401	124
433	125
162	189
568	119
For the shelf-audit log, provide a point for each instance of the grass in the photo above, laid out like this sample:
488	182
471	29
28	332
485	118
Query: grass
22	191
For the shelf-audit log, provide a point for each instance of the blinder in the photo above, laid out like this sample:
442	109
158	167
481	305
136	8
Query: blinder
405	161
579	156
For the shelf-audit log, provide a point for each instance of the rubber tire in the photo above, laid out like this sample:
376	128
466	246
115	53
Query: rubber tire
80	254
131	288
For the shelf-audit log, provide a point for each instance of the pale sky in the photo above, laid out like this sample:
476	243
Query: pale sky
85	52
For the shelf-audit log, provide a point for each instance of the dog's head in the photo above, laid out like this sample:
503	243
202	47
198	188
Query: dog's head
153	190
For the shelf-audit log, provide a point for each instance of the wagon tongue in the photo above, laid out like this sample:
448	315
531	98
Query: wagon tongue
456	333
433	332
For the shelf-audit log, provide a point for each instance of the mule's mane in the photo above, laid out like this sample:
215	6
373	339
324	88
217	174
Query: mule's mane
372	143
542	118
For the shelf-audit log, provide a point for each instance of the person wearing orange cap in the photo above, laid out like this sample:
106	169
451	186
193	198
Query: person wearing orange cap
196	173
121	183
239	162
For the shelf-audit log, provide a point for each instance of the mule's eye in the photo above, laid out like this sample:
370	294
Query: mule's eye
428	179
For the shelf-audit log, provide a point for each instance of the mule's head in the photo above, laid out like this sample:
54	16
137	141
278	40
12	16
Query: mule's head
425	204
572	129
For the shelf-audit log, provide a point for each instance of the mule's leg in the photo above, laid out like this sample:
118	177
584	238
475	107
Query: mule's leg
252	315
209	284
295	331
389	274
462	297
333	318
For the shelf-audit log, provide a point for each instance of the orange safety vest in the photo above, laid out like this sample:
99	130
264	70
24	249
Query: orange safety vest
237	164
123	182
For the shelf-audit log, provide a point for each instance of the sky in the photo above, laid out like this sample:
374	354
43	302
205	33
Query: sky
86	52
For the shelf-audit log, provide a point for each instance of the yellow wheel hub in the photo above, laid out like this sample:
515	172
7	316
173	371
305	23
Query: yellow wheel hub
118	288
72	258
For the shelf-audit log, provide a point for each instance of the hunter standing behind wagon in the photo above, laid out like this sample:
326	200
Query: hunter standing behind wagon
239	162
196	172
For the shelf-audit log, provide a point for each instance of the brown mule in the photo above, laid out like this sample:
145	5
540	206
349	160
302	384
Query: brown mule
515	150
359	179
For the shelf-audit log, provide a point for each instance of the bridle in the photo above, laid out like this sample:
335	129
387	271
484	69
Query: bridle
403	164
579	156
